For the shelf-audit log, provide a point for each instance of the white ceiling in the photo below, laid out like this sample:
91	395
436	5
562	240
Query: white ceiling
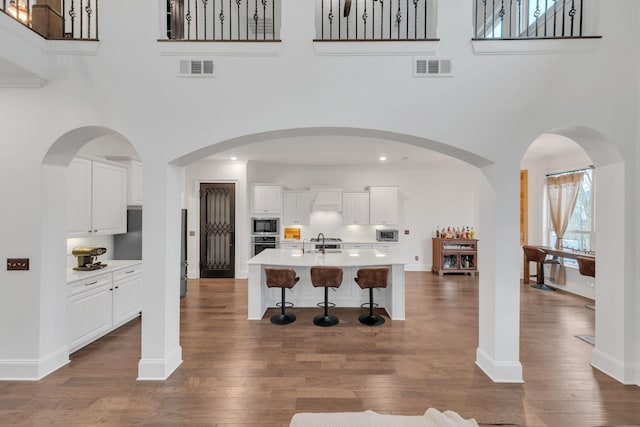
335	151
550	144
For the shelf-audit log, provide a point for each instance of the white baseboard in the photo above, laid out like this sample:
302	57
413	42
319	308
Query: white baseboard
499	372
33	369
159	369
616	369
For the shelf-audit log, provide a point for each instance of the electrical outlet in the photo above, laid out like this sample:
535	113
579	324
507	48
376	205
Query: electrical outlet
17	264
417	257
406	232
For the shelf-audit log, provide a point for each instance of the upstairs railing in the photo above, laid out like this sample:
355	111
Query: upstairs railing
525	19
56	19
223	20
375	20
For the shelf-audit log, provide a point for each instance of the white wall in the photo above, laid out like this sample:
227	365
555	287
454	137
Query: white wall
492	108
428	197
538	168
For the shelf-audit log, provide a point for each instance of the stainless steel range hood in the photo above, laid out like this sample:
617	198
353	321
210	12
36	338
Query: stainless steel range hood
327	199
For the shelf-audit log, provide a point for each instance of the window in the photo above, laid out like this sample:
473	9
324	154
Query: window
513	19
580	233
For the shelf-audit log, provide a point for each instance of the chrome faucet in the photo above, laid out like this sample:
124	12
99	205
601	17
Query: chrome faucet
318	238
304	240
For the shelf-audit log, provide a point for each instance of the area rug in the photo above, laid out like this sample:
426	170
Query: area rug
588	339
431	418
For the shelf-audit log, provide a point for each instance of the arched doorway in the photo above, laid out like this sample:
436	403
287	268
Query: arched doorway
498	351
53	289
613	328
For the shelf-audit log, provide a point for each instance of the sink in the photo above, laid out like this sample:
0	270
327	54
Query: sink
329	251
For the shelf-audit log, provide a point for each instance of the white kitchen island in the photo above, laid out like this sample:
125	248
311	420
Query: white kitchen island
349	294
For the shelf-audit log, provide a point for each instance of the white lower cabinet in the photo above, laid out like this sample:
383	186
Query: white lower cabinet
127	294
388	248
102	303
89	311
356	246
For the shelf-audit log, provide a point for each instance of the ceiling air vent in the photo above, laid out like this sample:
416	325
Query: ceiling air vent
197	68
424	67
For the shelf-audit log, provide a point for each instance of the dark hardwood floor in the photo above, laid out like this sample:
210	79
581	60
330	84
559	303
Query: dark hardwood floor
252	373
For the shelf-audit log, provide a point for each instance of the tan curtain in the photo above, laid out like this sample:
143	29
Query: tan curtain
562	192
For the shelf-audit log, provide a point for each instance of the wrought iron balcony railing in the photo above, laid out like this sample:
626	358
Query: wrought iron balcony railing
375	20
526	19
56	19
223	20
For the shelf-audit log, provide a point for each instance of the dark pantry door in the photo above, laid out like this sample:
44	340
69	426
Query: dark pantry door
217	230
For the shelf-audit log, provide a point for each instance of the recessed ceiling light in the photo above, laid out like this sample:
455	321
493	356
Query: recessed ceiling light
234	158
383	158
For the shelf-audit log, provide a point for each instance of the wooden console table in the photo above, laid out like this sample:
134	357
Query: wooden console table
455	256
556	253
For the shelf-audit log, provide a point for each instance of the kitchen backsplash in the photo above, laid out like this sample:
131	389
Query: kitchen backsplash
330	223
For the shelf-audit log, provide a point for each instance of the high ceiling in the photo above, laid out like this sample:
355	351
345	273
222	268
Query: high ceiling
335	151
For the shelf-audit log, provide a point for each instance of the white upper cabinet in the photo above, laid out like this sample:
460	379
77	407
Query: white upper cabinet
266	199
79	197
355	208
96	198
297	208
383	205
134	182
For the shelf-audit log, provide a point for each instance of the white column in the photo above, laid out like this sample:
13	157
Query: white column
257	300
615	305
499	276
397	294
161	351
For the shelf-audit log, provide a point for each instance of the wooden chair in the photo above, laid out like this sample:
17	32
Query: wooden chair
326	277
284	278
370	278
539	256
587	267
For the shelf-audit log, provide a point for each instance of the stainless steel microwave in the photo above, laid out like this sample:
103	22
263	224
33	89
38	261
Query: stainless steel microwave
262	226
387	235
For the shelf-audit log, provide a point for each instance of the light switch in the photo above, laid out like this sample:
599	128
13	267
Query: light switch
17	264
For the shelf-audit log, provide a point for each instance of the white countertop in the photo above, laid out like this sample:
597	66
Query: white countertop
360	241
344	258
112	265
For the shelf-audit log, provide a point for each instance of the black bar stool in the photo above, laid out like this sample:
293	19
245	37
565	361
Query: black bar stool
587	267
370	278
538	256
326	277
284	278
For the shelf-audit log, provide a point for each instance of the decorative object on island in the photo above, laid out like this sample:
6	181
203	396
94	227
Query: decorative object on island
284	278
326	277
539	256
455	256
370	278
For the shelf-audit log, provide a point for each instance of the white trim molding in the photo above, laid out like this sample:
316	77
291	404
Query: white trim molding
616	369
499	372
212	48
159	369
376	48
33	369
536	46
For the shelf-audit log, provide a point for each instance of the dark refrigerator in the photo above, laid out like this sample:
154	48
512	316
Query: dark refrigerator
183	254
129	245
